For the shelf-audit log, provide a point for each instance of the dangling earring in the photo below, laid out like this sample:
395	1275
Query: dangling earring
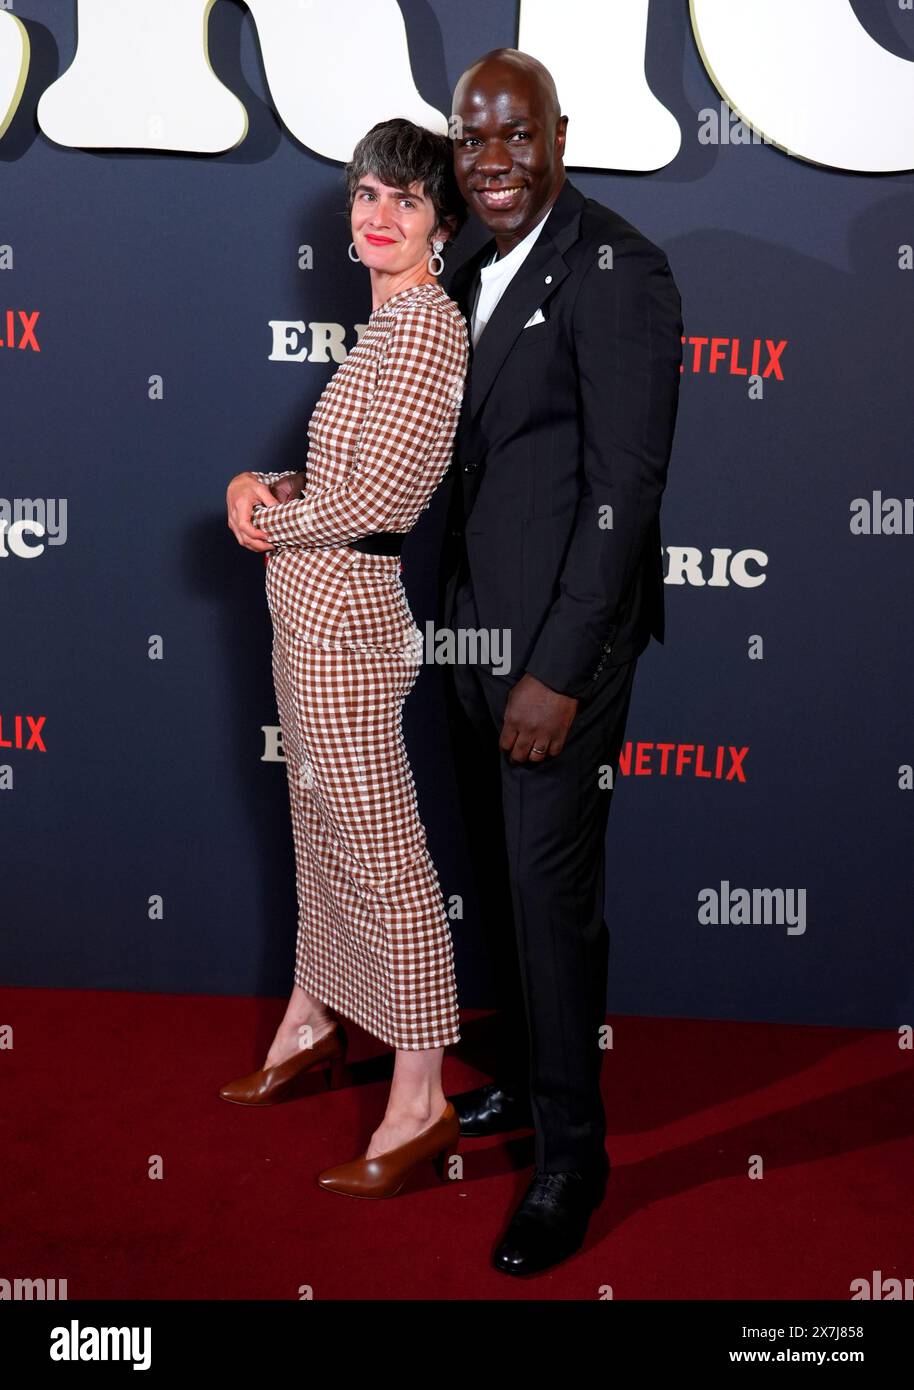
438	248
355	257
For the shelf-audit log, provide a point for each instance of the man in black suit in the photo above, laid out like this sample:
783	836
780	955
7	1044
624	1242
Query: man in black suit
553	536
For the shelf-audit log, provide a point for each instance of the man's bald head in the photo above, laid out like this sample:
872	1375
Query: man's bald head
501	64
509	139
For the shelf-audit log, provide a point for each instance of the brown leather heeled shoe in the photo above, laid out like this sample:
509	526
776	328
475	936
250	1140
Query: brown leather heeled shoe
385	1175
271	1084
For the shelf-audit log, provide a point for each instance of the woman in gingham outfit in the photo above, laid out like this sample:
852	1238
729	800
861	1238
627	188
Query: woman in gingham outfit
373	937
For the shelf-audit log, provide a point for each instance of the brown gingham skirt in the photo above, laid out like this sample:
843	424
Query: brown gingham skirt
374	941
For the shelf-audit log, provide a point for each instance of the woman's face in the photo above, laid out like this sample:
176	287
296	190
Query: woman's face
392	227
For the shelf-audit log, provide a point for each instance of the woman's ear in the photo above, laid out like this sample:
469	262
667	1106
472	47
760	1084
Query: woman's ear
446	229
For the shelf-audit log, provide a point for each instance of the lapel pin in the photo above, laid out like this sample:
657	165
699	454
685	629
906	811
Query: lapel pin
548	279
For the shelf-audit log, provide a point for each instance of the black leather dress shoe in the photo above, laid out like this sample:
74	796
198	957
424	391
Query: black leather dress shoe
490	1110
551	1222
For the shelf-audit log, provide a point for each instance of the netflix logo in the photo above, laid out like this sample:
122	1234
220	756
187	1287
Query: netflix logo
722	762
22	731
730	357
18	329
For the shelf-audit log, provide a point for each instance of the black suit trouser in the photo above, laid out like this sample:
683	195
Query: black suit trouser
536	834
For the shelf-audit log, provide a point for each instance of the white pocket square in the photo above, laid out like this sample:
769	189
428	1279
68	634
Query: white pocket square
535	318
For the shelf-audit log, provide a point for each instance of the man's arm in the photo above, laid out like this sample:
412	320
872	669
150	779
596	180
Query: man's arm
627	328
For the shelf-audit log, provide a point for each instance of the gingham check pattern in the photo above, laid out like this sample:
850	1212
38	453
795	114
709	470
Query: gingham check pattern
374	940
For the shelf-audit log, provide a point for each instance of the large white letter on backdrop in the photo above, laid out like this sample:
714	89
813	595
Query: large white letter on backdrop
336	68
141	79
807	76
596	55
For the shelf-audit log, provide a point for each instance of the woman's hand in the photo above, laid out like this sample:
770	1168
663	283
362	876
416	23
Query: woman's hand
242	495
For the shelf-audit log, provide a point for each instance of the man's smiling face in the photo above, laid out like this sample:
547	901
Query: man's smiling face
507	150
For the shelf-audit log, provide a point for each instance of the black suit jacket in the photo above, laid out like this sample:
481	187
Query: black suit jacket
563	445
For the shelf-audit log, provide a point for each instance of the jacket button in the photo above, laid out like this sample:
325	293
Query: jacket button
470	466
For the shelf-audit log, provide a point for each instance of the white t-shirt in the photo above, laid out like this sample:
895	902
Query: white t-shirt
497	276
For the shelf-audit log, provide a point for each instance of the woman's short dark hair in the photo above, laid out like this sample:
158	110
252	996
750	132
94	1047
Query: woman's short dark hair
400	154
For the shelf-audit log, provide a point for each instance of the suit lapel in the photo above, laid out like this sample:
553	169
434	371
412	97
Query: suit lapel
542	271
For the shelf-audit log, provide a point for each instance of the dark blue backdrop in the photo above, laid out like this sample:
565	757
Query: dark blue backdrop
152	781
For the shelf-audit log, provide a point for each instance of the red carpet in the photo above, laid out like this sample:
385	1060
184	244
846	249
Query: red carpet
99	1083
